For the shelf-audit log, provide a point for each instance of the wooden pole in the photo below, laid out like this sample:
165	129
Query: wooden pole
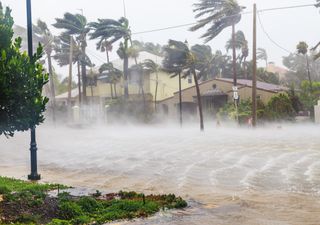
254	75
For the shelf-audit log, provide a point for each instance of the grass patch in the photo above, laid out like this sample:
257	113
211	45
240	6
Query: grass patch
28	203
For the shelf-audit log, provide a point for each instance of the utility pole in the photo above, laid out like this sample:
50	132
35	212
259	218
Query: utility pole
180	100
70	71
234	66
254	75
33	145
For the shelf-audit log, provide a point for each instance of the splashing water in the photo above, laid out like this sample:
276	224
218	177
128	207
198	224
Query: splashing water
229	175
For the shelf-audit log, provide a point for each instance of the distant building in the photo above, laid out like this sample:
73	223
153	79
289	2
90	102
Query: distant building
272	68
215	94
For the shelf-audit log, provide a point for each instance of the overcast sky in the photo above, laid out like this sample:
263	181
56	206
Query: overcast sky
286	27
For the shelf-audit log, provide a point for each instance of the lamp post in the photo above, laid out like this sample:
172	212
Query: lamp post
33	145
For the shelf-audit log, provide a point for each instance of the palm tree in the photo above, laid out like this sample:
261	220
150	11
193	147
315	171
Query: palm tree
62	53
113	76
76	24
151	67
110	31
48	40
240	44
219	14
302	48
205	61
183	60
262	55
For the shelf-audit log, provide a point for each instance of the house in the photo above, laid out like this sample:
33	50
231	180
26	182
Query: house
273	68
166	88
215	94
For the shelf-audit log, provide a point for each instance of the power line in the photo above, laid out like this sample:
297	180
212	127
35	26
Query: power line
249	12
269	37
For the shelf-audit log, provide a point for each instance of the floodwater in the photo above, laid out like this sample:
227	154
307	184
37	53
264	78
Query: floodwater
268	176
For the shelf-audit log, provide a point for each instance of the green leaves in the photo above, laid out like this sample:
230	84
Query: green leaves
21	82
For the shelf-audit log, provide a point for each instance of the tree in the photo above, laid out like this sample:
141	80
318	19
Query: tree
21	82
205	61
181	59
76	24
302	49
151	67
113	76
240	44
220	14
262	55
111	31
48	40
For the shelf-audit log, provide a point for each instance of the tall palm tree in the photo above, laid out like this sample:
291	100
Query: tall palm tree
62	53
240	44
110	31
76	24
205	61
151	67
302	49
220	14
262	55
184	60
114	76
48	40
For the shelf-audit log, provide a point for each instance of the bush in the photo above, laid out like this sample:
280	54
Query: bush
69	210
280	108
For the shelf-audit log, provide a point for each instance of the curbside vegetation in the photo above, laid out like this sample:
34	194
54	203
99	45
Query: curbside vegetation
23	202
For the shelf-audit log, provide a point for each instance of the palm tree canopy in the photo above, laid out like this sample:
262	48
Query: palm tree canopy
114	75
150	66
240	41
46	38
302	48
73	24
218	13
262	54
110	30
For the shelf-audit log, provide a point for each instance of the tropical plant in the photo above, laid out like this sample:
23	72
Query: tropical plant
262	55
220	14
179	58
151	67
48	40
76	24
240	44
302	49
113	77
110	31
280	108
21	81
138	73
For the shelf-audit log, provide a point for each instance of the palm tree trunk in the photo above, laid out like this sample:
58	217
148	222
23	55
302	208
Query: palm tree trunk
108	60
115	90
180	100
79	82
125	76
156	93
84	73
234	56
52	91
111	90
199	99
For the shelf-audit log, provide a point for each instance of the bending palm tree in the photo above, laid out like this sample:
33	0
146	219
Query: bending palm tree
76	24
113	76
205	61
151	67
302	48
110	31
262	55
182	59
219	14
48	41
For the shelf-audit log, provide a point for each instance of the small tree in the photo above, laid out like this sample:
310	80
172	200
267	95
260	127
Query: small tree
21	82
280	108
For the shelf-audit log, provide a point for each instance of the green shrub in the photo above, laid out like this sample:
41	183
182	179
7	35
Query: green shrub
60	222
280	108
69	210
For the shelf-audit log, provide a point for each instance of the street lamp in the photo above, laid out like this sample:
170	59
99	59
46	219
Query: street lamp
33	145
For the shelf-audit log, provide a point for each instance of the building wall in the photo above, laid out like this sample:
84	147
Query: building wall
188	95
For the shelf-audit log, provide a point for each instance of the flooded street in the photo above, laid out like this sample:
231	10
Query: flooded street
228	175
